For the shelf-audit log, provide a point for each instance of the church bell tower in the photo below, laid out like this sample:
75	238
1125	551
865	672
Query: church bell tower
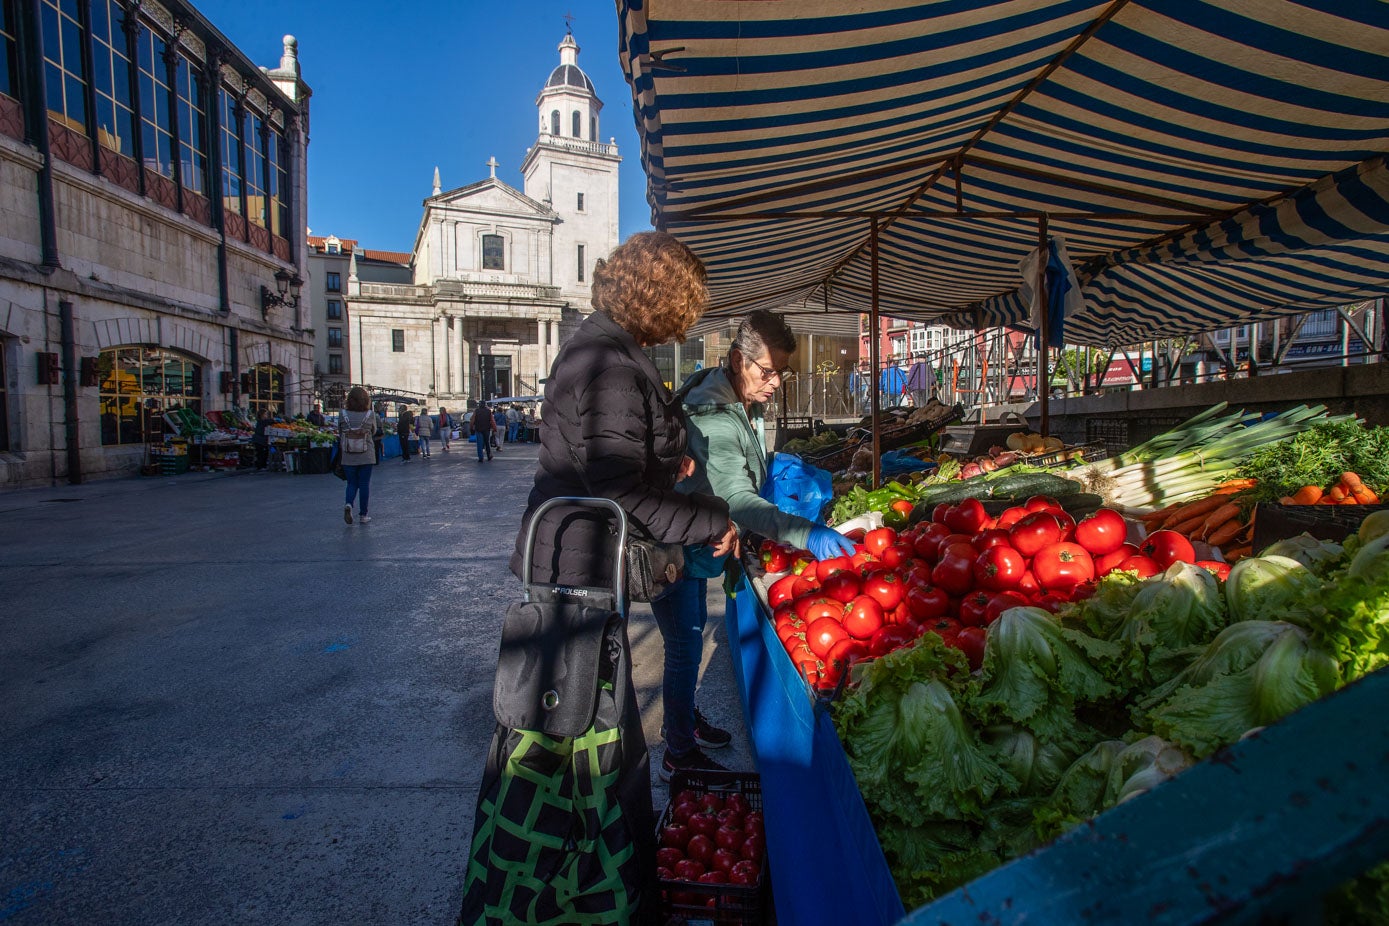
575	173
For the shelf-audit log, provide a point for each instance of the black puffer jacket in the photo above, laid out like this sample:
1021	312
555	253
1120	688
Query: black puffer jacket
611	429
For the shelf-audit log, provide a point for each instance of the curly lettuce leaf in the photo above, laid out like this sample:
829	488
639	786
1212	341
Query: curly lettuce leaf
1264	588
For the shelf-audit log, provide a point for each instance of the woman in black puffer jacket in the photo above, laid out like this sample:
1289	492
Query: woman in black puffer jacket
611	428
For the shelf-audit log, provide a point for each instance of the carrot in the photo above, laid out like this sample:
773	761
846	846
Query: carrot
1237	553
1202	506
1159	516
1350	480
1230	487
1189	527
1336	494
1217	518
1225	533
1307	495
1365	495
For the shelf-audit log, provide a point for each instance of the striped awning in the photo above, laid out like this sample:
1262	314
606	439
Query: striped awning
1205	163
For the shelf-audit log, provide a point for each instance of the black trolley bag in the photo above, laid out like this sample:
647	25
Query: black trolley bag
564	833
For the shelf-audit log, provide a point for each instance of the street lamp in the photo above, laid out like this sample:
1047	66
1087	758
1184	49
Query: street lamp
287	289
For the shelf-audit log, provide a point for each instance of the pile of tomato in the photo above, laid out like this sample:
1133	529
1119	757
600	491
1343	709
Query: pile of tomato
710	839
952	575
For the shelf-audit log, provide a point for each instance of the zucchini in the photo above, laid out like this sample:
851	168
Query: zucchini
1028	484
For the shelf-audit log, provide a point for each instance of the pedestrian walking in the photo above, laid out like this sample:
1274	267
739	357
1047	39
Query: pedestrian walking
484	428
260	440
425	426
565	825
445	428
498	429
404	427
513	424
380	435
357	431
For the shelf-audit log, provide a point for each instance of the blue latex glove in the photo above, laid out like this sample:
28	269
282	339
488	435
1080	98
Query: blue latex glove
827	543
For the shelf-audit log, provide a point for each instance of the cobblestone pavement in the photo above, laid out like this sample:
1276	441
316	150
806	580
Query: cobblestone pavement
223	705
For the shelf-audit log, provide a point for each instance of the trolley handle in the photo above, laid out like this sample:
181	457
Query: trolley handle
619	560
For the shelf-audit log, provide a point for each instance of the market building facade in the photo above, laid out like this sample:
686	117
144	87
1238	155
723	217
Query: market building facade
153	184
501	276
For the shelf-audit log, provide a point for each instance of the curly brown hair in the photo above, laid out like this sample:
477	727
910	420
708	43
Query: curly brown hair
358	399
653	286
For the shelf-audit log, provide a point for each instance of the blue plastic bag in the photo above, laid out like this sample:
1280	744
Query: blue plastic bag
796	487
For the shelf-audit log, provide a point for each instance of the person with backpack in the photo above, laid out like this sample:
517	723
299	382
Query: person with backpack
483	427
426	428
445	427
356	435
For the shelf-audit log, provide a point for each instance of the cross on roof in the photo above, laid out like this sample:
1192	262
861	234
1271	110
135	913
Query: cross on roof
569	23
492	163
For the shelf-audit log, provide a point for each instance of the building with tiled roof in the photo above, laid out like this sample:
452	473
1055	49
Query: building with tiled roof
333	262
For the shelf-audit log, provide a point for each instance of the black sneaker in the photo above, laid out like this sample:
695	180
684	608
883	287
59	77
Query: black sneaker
693	761
708	735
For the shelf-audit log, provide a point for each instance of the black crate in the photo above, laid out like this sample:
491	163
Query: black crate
714	904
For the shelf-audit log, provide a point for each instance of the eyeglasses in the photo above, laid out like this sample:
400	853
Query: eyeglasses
767	374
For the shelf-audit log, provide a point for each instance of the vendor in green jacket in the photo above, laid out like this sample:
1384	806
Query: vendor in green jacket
724	407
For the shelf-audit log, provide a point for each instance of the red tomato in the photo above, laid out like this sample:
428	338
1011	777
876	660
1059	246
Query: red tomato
754	847
876	541
1143	565
745	872
953	547
1043	503
1012	516
862	561
738	804
682	811
1106	564
687	869
992	537
791	633
1028	584
775	558
822	634
944	627
847	652
667	856
703	823
1063	566
1103	532
828	567
805	584
886	588
999	568
842	586
1167	547
1068	525
813	607
782	590
856	535
724	860
974	607
888	638
938	512
926	602
675	836
1218	569
1002	602
967	517
729	837
897	554
970	641
954	574
902	506
716	876
1039	529
863	617
926	545
700	848
1052	602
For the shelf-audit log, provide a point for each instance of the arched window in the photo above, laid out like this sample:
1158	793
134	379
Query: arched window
267	390
139	385
554	122
577	132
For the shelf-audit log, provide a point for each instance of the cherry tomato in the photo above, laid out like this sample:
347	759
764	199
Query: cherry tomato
1103	532
974	607
1012	516
1143	565
842	586
876	541
886	588
1063	566
1106	564
823	634
1043	503
926	602
999	568
863	617
967	517
781	590
1002	602
1039	529
828	567
970	641
1166	548
954	573
990	537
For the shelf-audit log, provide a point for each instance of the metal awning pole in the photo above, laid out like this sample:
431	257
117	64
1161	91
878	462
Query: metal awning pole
873	356
1043	368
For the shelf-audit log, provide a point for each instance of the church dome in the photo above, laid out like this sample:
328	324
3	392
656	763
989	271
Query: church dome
569	75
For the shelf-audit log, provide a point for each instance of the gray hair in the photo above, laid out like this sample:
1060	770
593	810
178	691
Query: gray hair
763	329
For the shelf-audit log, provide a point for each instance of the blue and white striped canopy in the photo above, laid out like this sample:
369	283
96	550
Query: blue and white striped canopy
1206	163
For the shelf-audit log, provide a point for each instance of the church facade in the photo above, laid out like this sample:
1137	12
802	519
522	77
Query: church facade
501	276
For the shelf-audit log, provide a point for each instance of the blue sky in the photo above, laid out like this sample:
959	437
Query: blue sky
399	88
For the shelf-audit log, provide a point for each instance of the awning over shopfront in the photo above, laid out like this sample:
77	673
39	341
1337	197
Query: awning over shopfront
1205	163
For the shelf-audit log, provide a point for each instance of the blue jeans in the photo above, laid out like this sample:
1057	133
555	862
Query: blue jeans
512	429
424	444
359	479
484	444
681	614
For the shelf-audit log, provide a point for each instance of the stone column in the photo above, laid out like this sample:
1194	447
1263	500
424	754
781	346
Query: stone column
554	345
465	347
542	353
